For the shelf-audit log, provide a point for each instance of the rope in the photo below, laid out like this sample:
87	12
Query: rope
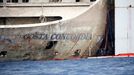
42	17
71	49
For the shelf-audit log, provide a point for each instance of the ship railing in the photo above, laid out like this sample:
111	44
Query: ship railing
43	1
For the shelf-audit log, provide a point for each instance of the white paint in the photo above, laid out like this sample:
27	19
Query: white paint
61	0
51	1
123	3
32	1
132	30
124	26
68	0
19	1
4	1
85	0
121	30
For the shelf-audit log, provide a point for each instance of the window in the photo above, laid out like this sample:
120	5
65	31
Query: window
1	1
25	1
55	0
8	1
92	0
77	0
14	1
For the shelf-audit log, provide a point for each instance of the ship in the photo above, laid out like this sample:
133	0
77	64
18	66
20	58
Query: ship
51	29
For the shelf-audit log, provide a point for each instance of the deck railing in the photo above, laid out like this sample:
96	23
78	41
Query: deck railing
43	1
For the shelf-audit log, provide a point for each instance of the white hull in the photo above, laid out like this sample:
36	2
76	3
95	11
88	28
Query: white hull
91	20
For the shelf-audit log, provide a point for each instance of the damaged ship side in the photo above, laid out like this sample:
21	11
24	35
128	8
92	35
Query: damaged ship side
44	31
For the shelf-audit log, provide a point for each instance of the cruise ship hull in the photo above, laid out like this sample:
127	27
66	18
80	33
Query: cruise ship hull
57	39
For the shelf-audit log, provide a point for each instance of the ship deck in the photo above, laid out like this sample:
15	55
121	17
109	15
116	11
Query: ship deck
79	4
46	9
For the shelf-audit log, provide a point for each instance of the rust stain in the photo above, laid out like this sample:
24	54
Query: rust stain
16	47
2	42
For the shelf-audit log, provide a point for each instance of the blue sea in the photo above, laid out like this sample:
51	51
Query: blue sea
102	66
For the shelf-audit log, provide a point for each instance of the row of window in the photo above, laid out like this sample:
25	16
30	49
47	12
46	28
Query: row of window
61	0
25	1
1	1
13	1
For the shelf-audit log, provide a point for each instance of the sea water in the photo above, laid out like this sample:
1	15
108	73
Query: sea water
102	66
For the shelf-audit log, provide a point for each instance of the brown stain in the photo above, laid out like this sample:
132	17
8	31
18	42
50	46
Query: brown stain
14	47
28	39
2	42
